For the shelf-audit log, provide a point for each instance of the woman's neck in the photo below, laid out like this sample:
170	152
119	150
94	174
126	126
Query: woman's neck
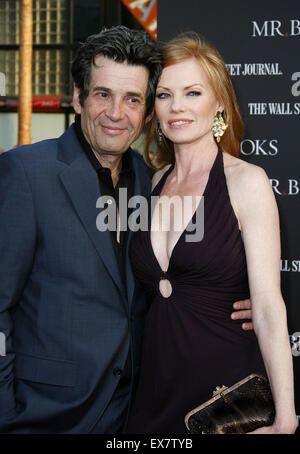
195	158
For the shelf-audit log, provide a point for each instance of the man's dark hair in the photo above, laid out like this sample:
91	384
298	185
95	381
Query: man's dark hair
122	45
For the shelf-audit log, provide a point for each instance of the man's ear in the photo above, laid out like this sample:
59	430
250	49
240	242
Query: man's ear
76	102
149	117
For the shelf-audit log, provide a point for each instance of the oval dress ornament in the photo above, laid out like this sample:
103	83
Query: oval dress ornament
165	286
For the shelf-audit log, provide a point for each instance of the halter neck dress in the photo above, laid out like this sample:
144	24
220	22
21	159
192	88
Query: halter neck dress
190	344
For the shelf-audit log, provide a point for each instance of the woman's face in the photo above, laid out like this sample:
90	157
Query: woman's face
185	103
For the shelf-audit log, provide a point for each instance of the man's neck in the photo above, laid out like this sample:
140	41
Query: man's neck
112	162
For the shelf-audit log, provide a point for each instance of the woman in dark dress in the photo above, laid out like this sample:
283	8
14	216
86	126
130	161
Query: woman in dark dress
192	278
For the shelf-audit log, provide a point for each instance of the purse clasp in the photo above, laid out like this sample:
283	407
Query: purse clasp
219	389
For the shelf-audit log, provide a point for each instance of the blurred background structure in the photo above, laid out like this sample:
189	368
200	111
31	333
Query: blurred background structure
58	27
25	70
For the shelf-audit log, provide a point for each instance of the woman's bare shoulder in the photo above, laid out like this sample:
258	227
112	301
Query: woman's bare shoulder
248	187
242	175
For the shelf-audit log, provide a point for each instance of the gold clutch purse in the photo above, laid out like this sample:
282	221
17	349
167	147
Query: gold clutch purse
243	407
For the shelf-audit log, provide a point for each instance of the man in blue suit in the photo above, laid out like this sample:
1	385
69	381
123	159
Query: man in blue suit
70	310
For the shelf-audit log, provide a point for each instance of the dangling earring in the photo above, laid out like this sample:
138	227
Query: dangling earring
159	134
219	126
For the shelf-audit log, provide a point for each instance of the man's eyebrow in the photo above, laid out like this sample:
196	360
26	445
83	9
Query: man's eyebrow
97	88
128	93
135	94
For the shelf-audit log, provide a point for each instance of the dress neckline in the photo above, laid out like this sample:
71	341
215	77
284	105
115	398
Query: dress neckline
157	190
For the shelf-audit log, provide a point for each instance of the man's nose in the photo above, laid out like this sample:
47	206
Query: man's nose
115	110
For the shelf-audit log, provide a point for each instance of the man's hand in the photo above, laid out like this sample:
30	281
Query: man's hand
243	311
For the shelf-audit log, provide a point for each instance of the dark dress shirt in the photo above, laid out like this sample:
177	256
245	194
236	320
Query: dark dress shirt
106	188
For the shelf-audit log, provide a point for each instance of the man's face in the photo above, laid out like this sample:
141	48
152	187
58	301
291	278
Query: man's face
113	114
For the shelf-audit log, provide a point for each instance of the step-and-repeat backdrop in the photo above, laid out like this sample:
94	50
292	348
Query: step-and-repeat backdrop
260	43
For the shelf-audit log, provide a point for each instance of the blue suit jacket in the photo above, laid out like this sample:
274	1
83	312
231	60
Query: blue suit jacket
67	319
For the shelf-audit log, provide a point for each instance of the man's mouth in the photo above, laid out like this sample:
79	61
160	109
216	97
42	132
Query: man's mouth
114	130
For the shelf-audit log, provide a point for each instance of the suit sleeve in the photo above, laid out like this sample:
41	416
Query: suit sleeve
17	246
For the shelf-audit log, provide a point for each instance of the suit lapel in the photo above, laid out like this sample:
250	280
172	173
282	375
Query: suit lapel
81	183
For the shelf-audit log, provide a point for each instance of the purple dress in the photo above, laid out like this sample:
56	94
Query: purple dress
191	345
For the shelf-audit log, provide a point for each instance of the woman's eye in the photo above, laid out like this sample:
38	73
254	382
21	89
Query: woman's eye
194	93
162	95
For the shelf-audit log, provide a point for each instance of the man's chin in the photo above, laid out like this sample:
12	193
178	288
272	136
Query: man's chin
106	152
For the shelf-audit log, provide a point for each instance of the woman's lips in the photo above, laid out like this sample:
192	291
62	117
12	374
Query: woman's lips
182	122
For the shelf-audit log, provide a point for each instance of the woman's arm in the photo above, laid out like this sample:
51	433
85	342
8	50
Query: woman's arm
258	216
